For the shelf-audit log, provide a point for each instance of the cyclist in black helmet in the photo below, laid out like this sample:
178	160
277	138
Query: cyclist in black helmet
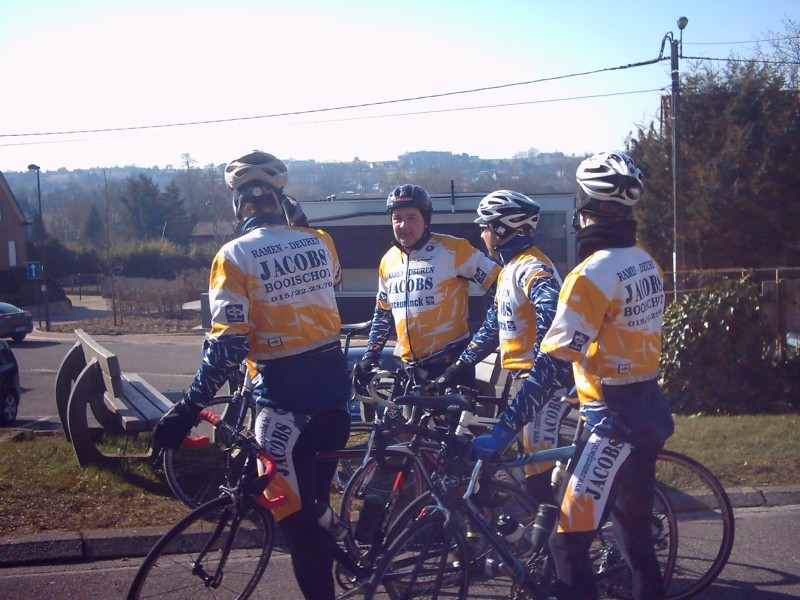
288	329
607	331
423	289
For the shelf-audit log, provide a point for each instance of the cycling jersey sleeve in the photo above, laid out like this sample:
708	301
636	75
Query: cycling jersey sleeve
543	294
474	265
382	326
485	340
221	361
548	374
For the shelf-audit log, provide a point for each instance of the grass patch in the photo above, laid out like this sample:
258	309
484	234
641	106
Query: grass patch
747	450
42	488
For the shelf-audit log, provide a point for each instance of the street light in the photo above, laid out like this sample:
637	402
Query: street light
676	51
42	251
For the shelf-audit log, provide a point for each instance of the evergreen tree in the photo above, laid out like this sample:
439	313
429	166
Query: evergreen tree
148	209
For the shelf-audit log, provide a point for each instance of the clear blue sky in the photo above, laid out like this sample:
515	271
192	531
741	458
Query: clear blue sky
110	64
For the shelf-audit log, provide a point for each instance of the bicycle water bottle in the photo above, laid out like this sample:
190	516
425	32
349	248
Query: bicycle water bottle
557	476
369	519
515	534
546	519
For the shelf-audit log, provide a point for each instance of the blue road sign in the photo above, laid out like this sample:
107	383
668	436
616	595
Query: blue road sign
34	269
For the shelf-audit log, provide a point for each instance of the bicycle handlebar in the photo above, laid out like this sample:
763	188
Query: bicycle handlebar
252	447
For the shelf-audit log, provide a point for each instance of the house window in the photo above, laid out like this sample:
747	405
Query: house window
12	253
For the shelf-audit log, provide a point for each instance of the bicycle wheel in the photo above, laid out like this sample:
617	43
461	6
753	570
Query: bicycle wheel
705	523
359	436
495	498
195	474
219	550
428	559
370	479
612	573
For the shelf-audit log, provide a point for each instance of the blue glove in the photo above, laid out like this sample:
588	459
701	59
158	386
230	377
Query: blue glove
490	445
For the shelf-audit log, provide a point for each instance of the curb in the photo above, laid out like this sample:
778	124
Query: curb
108	544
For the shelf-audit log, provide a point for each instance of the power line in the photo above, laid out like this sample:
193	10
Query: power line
744	60
390	115
337	108
779	39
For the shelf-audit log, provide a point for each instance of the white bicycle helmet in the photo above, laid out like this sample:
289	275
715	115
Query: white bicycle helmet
505	211
256	175
256	166
609	176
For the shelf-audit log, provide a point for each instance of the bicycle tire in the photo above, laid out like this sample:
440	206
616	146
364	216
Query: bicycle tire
612	573
359	437
495	497
428	559
705	523
195	474
370	479
172	566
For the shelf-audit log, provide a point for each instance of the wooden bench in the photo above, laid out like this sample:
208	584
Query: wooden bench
90	386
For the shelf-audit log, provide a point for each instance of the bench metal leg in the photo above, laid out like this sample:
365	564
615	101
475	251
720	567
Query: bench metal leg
87	391
69	371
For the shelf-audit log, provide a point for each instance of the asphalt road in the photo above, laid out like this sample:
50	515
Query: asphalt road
167	362
765	564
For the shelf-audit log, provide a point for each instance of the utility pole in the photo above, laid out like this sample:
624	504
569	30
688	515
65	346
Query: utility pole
42	250
676	52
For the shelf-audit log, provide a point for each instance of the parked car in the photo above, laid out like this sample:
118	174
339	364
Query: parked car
9	385
15	323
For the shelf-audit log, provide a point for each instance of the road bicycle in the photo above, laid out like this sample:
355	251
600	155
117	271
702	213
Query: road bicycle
222	548
473	521
705	521
205	461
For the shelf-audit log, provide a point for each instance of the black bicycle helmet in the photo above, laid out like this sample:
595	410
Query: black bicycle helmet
609	183
506	211
411	195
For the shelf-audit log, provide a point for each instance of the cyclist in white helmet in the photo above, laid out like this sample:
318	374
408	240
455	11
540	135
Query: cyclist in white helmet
272	302
607	329
523	309
423	289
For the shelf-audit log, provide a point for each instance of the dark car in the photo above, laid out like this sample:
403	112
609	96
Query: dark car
9	385
15	323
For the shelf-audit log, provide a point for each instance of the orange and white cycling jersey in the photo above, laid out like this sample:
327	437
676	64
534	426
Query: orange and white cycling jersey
427	292
608	321
516	313
276	285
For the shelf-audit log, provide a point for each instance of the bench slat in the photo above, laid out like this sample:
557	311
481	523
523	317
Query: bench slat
131	420
158	400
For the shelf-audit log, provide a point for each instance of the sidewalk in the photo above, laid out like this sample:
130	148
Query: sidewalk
103	544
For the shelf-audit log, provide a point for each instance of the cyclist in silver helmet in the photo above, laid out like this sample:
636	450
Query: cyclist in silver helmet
272	302
607	330
523	309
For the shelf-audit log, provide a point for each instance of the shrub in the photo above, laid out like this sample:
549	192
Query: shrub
164	298
714	352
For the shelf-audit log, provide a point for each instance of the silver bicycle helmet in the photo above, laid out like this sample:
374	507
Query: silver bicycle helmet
256	175
609	177
256	166
506	211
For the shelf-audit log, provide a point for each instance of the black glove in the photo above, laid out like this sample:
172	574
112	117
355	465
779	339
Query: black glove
452	376
294	212
363	370
176	424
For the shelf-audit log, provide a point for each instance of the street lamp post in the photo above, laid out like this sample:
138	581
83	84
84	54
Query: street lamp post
676	52
42	250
